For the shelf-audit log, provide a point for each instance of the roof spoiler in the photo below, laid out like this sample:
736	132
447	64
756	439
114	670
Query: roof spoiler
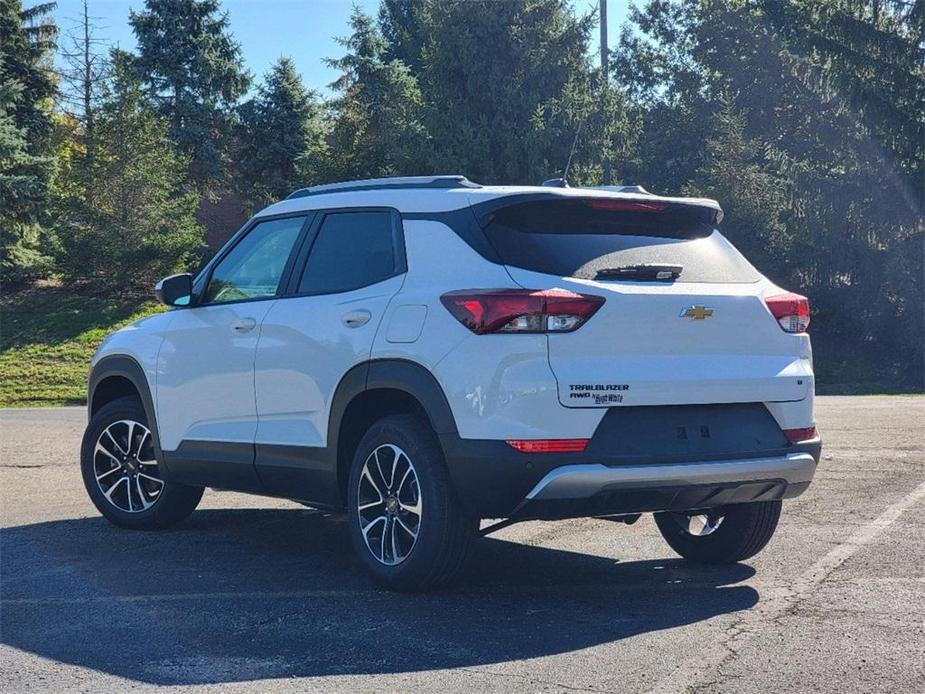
708	211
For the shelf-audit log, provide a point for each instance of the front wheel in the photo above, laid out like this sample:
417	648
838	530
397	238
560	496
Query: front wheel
406	524
721	536
122	475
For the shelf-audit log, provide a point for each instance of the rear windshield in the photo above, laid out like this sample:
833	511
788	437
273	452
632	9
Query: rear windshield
581	238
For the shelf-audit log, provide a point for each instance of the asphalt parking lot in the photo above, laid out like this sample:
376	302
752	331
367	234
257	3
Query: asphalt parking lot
261	595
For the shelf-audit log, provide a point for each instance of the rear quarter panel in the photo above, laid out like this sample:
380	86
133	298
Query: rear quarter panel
497	386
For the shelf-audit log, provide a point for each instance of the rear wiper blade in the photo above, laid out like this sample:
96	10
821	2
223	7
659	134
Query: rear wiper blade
665	273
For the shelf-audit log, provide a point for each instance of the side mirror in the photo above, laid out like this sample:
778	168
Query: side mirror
176	290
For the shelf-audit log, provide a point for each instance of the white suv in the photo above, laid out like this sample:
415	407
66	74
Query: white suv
426	352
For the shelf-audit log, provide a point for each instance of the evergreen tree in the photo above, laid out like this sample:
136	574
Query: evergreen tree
734	170
282	141
509	85
402	31
872	52
141	224
193	72
801	77
376	128
26	90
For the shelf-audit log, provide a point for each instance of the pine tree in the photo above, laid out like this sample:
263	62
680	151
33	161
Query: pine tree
826	89
140	224
26	90
376	127
192	69
281	137
872	52
403	32
753	197
509	85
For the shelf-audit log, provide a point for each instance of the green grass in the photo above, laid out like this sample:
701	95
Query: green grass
47	337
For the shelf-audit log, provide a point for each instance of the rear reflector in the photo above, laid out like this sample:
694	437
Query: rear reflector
790	310
521	310
549	445
796	435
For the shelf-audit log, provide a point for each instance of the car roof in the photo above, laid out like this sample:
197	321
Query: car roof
433	194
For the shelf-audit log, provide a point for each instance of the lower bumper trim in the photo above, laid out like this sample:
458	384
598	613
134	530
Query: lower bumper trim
666	487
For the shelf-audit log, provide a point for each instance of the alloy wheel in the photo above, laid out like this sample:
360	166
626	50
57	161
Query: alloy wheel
389	504
125	468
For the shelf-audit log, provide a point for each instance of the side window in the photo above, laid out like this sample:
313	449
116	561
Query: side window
254	267
352	250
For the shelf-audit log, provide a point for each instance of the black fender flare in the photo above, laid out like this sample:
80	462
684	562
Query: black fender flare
380	374
394	374
129	369
418	381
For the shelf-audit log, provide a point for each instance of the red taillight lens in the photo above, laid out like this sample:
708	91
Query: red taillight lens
790	310
796	435
549	445
521	310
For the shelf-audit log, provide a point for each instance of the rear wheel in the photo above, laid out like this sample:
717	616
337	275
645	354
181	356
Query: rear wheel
406	524
721	536
122	474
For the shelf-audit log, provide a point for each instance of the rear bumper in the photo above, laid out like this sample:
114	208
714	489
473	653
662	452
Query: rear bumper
595	489
493	480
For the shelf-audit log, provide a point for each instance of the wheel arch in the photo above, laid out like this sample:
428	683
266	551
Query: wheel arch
119	376
376	389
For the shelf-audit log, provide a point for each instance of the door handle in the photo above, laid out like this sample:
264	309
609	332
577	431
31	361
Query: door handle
244	325
355	319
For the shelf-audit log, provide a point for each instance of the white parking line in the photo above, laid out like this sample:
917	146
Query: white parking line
779	599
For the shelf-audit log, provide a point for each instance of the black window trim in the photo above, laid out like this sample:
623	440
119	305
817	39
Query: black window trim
308	242
205	275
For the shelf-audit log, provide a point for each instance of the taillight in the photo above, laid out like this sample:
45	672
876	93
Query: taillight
790	310
549	445
521	310
796	435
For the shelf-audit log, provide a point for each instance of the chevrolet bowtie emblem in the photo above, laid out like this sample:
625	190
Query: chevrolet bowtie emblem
696	312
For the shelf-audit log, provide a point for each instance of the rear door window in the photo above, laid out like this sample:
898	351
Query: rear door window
587	238
352	250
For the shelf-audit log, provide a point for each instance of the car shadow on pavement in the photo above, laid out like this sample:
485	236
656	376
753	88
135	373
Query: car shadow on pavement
236	595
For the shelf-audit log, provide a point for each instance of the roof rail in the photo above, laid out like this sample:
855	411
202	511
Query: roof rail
406	182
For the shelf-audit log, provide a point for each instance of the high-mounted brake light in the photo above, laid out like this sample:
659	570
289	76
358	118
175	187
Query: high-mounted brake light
617	205
521	310
790	310
549	445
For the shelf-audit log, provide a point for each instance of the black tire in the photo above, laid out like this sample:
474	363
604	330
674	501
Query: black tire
444	532
744	531
173	502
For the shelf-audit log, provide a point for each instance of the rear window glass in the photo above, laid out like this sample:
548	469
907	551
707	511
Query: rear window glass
353	250
578	239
